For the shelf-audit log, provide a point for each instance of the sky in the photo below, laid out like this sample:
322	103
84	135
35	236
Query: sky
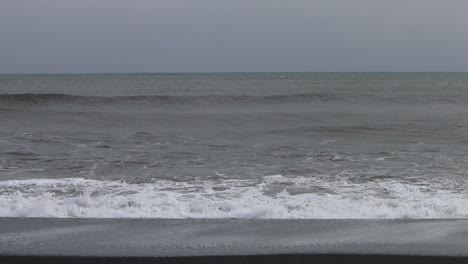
106	36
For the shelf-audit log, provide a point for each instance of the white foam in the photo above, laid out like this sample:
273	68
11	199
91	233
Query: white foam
272	197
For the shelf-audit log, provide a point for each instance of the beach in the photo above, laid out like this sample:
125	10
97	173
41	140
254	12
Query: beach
232	241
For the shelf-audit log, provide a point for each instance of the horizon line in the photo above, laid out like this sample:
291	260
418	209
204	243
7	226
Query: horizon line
220	72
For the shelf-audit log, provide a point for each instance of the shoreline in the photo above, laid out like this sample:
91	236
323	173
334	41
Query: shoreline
257	259
70	240
25	240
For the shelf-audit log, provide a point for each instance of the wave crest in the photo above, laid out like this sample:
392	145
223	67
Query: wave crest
266	199
44	99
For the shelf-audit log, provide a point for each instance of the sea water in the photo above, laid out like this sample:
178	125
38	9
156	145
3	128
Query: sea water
237	145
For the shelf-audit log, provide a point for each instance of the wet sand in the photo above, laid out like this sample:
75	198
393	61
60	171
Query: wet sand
41	240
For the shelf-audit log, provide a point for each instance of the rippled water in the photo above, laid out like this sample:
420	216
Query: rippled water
279	145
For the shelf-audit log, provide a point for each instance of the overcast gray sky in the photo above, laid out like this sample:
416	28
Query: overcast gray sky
56	36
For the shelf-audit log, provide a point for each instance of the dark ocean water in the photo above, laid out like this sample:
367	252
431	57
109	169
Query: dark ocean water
270	145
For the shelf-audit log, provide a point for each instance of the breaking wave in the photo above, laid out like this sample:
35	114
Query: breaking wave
273	197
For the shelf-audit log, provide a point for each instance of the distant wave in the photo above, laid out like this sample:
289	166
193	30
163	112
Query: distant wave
31	99
44	99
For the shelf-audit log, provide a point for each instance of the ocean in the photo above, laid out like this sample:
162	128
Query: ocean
234	145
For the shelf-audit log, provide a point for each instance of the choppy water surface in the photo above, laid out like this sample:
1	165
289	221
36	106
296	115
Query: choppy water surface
279	145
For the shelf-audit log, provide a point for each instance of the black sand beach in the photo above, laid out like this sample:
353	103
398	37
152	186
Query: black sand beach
40	240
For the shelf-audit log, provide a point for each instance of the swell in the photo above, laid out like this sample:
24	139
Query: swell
45	99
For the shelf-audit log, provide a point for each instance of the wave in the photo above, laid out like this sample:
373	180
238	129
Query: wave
268	198
44	99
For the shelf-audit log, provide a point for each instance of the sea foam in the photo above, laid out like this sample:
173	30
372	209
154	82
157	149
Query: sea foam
272	197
